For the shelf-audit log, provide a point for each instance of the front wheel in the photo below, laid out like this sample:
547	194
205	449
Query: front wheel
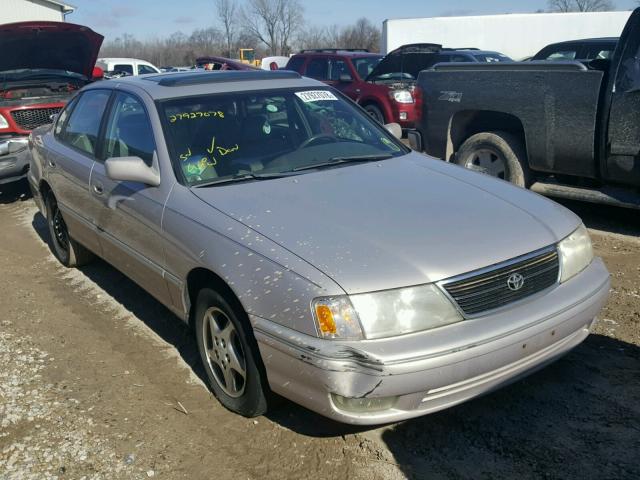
375	113
230	355
69	252
498	154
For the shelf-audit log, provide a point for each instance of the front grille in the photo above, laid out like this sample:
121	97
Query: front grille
489	289
30	118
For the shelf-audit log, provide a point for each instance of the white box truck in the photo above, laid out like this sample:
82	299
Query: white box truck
516	35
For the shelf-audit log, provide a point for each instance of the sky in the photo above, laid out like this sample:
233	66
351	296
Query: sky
160	18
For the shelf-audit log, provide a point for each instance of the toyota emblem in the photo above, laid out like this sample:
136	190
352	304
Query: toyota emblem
515	282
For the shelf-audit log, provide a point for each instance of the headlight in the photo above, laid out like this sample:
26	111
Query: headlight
575	253
3	122
402	96
405	310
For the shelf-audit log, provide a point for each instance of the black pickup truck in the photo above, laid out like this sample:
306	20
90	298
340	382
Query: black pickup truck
563	129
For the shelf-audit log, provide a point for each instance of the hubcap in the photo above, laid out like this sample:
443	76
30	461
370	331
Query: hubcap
225	355
60	229
487	161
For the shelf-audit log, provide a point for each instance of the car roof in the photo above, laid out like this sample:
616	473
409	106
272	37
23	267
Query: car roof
338	52
472	51
161	86
121	59
586	40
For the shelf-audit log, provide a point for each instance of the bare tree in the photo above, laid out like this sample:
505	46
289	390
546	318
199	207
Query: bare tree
581	5
272	22
227	11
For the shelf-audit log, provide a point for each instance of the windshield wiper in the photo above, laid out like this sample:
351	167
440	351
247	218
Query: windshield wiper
339	160
243	177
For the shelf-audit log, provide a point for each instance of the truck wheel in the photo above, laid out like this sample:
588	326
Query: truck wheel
375	113
230	355
69	252
498	154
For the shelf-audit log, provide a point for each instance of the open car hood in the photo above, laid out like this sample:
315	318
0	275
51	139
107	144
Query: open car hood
409	59
49	45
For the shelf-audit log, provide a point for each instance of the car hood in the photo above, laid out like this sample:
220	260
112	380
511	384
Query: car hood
400	222
408	59
49	45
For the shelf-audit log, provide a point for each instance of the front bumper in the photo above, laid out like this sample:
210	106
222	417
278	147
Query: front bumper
14	159
432	370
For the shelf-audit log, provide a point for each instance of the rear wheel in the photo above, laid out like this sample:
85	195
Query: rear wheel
230	355
375	113
498	154
69	252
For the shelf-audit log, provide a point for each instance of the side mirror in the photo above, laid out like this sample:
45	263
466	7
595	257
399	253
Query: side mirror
394	129
415	140
132	169
345	78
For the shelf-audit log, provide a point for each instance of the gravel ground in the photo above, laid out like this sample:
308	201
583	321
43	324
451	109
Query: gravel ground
97	381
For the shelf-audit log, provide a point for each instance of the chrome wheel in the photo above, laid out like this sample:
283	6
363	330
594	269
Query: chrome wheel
225	355
487	161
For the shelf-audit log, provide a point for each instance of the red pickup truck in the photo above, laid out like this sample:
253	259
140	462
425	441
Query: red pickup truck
41	67
383	85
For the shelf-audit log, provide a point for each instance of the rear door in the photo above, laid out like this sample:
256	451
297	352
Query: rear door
623	142
70	158
129	214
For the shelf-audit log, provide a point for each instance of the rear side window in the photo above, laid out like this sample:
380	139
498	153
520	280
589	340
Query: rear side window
562	55
143	69
81	130
295	64
338	69
129	132
123	68
318	68
64	115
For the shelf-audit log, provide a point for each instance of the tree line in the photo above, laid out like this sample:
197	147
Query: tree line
270	27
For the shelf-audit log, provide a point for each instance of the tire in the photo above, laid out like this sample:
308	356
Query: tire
375	113
227	346
69	252
499	154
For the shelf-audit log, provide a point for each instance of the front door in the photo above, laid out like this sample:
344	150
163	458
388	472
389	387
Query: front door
623	159
129	214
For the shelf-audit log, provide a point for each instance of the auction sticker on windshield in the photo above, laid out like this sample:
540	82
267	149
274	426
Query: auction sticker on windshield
316	96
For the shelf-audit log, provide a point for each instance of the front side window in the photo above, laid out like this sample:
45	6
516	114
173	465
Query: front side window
82	128
129	132
143	69
365	65
339	68
224	136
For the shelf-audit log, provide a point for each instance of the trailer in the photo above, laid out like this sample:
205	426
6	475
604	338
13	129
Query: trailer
516	35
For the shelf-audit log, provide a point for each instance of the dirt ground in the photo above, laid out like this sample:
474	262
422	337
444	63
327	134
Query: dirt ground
97	380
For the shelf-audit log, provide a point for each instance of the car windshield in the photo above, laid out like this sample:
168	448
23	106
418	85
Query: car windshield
218	138
492	57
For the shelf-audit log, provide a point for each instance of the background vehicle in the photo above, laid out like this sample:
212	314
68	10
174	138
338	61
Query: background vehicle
558	127
248	56
580	50
384	86
42	65
222	63
130	66
272	214
267	63
516	35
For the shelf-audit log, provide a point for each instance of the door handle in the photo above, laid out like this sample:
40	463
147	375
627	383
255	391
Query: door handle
98	189
51	163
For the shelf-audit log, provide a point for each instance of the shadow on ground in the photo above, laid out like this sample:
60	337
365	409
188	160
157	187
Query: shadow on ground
624	221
